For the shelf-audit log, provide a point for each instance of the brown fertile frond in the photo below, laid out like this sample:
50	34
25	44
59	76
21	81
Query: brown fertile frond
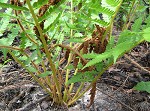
90	45
53	2
75	61
36	30
71	49
92	93
17	3
96	42
85	47
67	54
42	10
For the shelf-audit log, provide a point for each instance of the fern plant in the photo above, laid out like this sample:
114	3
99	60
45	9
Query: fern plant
48	28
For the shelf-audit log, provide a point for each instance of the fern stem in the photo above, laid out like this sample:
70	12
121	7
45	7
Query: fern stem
32	62
72	84
71	49
10	47
129	15
39	54
16	48
21	26
70	55
21	50
96	78
78	91
33	76
24	17
48	54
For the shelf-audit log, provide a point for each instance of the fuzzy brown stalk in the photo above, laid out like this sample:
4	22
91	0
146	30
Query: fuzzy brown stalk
92	93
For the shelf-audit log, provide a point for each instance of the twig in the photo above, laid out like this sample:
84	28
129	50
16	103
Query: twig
15	99
71	49
123	84
31	104
135	63
115	99
16	86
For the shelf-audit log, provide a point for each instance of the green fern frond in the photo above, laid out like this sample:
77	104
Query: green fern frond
113	3
6	5
50	11
5	21
101	22
39	3
86	77
54	21
146	34
147	22
98	59
90	55
11	16
106	10
137	24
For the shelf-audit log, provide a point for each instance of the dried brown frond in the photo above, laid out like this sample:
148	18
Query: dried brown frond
75	61
85	47
53	2
92	93
42	10
37	32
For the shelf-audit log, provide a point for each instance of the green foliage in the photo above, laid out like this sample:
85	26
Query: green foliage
54	21
5	63
113	2
98	59
147	22
143	86
39	3
146	34
137	25
31	69
68	24
82	77
6	5
51	10
11	16
45	74
5	21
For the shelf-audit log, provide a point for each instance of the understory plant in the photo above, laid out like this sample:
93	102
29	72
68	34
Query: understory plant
65	43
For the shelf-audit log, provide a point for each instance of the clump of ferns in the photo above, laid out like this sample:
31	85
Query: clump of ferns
39	56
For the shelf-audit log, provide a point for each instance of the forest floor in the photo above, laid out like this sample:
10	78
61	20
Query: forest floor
18	92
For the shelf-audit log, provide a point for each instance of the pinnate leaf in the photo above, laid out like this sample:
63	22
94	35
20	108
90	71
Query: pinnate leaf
146	34
44	74
137	24
143	86
98	59
6	5
90	55
50	11
121	48
82	77
113	2
31	69
39	3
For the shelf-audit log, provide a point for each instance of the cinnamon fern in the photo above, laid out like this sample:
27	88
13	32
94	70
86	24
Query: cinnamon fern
62	42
